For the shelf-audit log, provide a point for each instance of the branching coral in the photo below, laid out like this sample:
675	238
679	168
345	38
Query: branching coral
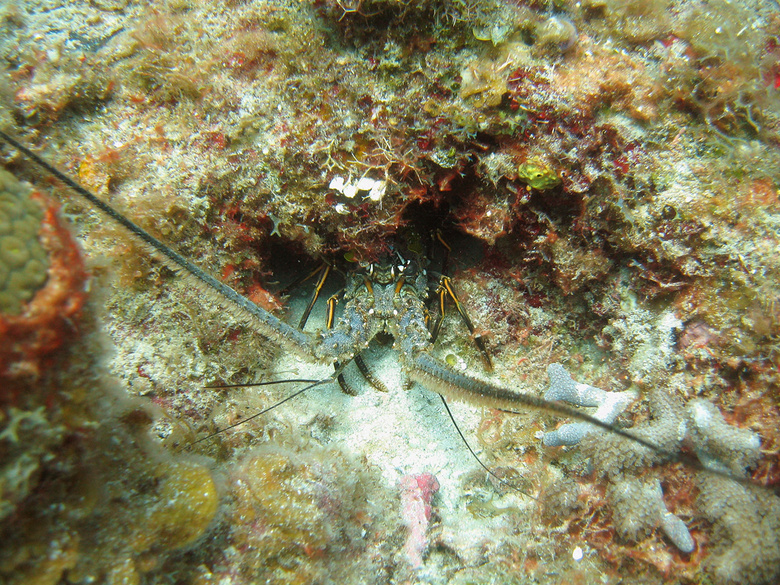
638	508
717	443
746	536
637	502
563	387
666	429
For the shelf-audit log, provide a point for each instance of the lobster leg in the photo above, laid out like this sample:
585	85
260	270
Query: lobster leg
445	291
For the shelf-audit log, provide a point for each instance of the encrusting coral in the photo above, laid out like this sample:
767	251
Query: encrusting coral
746	531
42	278
74	449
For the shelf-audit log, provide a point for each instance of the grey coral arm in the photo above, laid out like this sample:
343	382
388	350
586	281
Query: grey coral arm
638	507
719	445
564	387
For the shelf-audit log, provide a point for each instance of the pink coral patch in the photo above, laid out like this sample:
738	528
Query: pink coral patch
417	491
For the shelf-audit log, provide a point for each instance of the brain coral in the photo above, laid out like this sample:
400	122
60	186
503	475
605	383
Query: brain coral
41	278
23	261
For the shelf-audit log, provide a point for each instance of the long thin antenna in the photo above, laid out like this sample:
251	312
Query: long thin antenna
434	375
473	454
267	383
270	408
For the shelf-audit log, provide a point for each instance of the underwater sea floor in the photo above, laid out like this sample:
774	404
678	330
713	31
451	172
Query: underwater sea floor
598	179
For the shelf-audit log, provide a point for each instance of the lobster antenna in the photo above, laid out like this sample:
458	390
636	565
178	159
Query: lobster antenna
312	384
489	471
267	383
434	375
270	325
265	410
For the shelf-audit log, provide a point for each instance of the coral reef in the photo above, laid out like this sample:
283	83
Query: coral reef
666	429
297	513
717	444
638	507
600	180
77	462
715	441
638	503
746	525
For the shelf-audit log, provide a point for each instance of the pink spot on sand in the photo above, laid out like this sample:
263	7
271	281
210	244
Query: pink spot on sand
417	491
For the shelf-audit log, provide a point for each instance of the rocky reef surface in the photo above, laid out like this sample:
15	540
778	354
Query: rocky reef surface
603	175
